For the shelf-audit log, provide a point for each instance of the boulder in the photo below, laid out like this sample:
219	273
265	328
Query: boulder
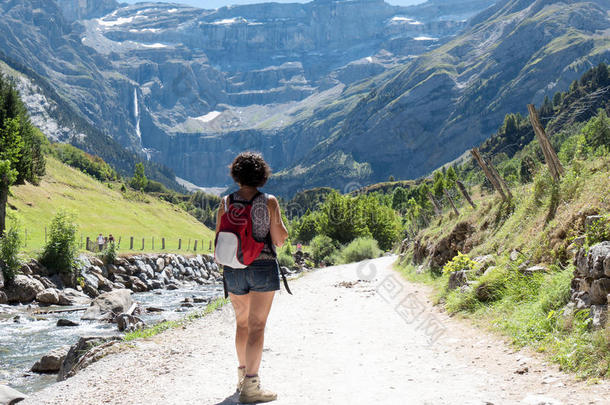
66	323
596	257
129	323
3	298
457	279
1	277
90	291
160	264
49	296
514	255
108	305
137	285
87	351
607	266
23	289
51	362
599	291
10	396
70	296
96	261
46	282
484	262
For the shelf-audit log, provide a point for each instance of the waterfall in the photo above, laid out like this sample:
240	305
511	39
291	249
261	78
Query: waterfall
136	113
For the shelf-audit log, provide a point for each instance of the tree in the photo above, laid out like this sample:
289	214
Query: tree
21	156
439	184
399	198
139	180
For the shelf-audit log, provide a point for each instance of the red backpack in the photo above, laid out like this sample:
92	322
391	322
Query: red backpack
235	245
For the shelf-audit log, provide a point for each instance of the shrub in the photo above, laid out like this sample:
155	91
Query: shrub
60	252
598	231
109	254
10	244
459	262
322	248
360	249
286	259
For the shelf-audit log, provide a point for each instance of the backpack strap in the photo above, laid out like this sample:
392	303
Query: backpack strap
283	273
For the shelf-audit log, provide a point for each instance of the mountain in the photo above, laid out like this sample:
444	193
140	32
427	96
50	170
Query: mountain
333	92
159	78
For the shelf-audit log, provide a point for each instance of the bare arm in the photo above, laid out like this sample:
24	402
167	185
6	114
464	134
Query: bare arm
221	210
279	233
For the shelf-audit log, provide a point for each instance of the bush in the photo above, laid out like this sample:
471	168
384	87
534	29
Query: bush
10	244
60	252
285	259
322	248
109	254
598	231
360	249
459	262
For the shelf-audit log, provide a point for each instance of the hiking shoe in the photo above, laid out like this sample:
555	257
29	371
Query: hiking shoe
241	373
252	392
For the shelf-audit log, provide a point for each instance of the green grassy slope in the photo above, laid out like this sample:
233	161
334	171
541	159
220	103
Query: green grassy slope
102	207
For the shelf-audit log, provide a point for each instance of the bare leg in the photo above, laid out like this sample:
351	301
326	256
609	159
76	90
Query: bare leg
260	305
241	306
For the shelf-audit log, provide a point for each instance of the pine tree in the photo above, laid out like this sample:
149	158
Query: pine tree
21	155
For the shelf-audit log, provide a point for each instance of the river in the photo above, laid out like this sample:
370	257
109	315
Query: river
24	340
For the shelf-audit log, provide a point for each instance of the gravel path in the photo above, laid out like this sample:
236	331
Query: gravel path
336	341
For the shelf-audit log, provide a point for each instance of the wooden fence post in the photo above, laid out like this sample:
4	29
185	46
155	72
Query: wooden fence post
45	235
142	243
210	248
451	201
131	243
179	244
500	179
465	193
195	247
488	173
153	243
163	243
437	209
87	247
550	156
119	243
189	245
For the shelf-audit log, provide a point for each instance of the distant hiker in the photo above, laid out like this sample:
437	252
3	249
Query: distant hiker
110	238
248	228
299	247
100	242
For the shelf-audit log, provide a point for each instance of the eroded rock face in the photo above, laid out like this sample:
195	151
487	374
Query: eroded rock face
448	247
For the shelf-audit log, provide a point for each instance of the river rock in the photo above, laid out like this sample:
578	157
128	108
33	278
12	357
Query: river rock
137	285
87	351
172	286
108	305
49	296
51	362
3	298
160	264
23	289
66	323
10	396
70	296
1	277
96	261
533	270
129	323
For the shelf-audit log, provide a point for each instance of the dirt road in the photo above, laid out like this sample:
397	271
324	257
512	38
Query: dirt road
336	341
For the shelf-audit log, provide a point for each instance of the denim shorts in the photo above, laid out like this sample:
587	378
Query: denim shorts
260	276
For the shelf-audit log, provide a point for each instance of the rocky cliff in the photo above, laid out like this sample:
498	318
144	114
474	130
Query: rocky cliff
330	91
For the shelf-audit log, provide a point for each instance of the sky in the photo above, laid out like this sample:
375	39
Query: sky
211	4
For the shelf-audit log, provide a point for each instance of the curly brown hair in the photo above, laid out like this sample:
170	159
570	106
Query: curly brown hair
250	169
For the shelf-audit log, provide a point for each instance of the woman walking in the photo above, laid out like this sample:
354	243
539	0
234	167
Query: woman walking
252	288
